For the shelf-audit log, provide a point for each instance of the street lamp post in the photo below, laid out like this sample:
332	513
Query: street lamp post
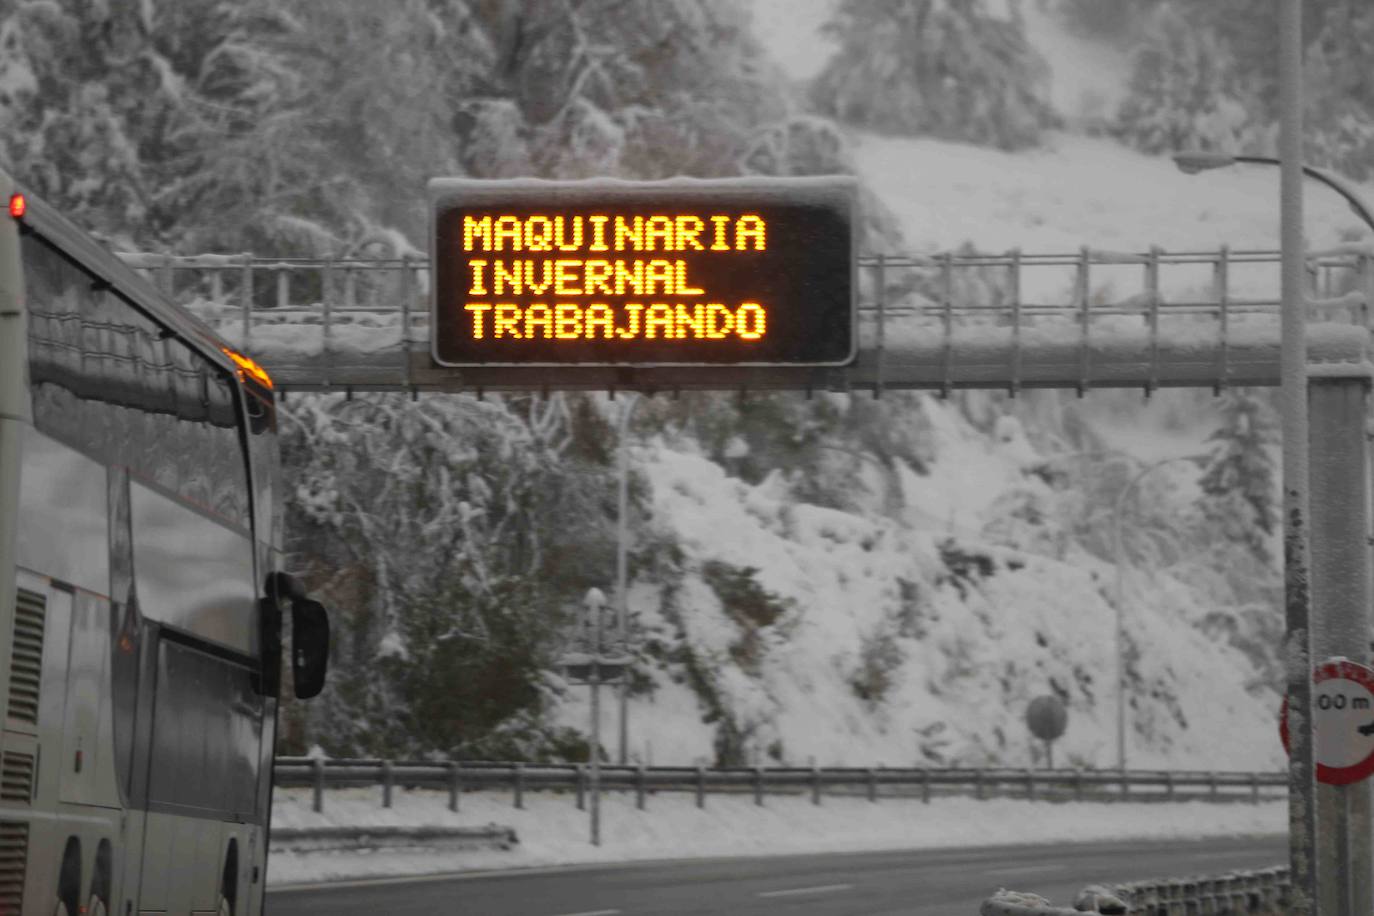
1293	395
1339	876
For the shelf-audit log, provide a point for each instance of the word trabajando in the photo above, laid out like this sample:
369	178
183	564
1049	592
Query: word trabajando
595	276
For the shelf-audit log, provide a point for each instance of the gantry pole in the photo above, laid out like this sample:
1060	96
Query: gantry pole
1293	397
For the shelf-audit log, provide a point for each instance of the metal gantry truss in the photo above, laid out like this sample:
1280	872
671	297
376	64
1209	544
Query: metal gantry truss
939	322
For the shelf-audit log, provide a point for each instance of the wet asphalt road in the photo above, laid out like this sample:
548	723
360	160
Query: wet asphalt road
949	882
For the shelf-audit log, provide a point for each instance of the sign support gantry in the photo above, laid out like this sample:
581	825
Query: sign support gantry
1081	320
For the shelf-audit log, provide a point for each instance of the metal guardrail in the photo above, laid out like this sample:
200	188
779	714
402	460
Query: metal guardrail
1262	892
456	777
1085	319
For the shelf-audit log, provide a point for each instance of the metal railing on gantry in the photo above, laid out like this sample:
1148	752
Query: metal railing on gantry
954	320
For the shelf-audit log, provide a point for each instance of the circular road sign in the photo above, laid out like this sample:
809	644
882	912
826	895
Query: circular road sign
1343	713
1046	717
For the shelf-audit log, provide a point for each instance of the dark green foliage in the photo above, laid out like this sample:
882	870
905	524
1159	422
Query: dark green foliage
1339	92
966	568
699	673
450	535
1239	484
823	448
608	87
1205	77
741	595
912	609
879	659
750	605
1114	20
940	68
294	127
1186	91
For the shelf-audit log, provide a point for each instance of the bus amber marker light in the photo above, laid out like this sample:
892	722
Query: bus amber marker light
249	368
18	206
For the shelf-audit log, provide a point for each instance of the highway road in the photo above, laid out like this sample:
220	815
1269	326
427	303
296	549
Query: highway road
946	882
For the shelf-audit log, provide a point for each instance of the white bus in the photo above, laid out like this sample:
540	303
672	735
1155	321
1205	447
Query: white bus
141	591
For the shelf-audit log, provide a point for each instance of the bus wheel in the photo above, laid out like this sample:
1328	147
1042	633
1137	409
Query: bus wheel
99	900
69	879
228	885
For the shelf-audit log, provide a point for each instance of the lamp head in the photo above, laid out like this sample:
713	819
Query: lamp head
1194	161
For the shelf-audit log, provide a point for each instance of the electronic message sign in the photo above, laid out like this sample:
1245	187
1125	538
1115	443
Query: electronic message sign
736	272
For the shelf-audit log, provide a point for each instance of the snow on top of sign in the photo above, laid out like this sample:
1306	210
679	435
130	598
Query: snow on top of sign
815	189
745	183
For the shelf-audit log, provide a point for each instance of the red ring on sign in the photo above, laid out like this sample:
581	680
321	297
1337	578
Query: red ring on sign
1344	670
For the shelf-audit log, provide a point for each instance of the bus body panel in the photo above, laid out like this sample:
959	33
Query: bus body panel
53	823
16	828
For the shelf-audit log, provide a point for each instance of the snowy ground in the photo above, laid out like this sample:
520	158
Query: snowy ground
553	832
1079	190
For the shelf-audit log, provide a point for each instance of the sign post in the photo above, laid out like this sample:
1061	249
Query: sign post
593	668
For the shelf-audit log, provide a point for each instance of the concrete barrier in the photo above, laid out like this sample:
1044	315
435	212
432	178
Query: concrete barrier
333	839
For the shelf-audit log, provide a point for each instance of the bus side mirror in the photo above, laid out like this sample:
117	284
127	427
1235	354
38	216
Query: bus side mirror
309	646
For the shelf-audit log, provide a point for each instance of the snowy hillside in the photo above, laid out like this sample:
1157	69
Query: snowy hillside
912	635
915	625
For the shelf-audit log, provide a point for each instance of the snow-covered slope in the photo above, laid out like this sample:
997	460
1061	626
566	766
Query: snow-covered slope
964	590
956	632
1078	191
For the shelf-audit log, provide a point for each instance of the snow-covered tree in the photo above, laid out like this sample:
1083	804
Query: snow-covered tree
1339	93
451	533
83	94
1239	485
607	87
1204	76
1186	91
1113	20
941	68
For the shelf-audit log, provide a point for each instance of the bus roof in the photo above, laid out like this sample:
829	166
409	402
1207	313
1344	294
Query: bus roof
44	221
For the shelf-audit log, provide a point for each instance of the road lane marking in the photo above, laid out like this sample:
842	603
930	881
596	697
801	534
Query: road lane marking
1026	870
592	913
798	891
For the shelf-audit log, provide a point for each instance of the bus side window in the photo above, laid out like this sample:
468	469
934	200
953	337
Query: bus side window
62	512
107	381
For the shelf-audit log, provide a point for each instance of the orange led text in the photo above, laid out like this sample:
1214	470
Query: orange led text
595	276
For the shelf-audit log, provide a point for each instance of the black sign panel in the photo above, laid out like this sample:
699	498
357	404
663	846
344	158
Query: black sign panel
738	272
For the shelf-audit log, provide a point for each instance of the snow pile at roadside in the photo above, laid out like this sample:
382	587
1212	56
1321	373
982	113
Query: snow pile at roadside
553	832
